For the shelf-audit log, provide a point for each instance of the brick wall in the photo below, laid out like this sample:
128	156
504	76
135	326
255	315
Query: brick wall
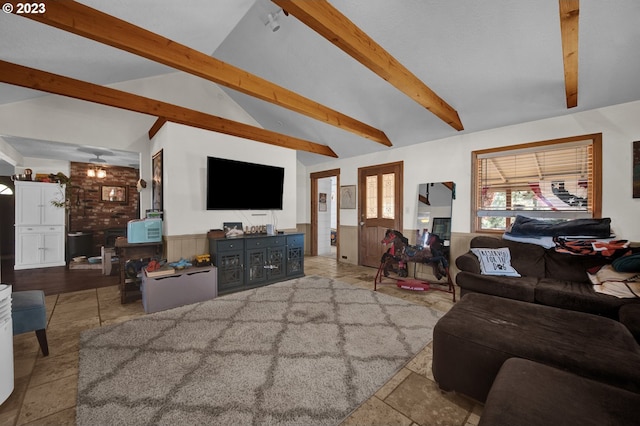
89	213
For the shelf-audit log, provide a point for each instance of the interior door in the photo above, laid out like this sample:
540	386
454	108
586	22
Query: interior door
379	208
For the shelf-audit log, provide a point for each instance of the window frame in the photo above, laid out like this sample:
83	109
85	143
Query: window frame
596	144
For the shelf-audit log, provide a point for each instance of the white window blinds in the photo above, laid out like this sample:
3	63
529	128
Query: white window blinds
546	180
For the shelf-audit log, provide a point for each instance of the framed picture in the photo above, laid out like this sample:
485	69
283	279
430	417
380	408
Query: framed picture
636	169
114	193
156	167
322	202
233	229
348	197
442	227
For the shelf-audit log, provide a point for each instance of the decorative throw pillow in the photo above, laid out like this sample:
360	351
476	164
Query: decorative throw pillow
495	261
630	263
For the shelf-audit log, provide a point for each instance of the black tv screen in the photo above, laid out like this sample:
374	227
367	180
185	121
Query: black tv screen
237	185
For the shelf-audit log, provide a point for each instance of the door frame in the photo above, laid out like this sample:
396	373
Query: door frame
313	238
398	167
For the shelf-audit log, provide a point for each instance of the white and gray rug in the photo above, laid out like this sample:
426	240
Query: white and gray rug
301	352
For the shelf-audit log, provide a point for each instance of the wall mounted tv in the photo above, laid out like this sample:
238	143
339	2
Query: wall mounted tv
237	185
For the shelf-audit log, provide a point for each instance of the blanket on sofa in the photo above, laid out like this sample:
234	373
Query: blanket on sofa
611	248
619	284
588	228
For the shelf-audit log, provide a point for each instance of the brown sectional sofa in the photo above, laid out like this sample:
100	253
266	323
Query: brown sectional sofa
532	345
548	278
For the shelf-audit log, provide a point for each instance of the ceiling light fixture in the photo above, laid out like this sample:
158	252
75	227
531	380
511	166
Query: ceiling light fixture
98	172
272	21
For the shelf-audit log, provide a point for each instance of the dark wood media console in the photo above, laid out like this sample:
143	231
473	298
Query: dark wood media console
256	260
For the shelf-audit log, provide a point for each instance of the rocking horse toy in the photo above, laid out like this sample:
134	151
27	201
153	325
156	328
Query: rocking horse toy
397	257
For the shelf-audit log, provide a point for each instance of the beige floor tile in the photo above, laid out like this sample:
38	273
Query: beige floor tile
49	398
51	368
11	407
81	297
474	416
114	310
25	344
72	315
392	384
72	328
420	399
62	418
421	363
50	303
375	412
23	364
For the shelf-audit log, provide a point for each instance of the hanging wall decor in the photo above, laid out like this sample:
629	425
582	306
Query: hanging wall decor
636	169
322	202
156	167
348	197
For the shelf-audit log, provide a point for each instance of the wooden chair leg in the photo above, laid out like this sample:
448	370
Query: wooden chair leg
42	339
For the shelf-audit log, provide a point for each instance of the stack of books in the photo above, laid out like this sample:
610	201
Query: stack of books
160	272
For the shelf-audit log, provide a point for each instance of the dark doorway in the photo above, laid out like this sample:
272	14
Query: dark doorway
7	229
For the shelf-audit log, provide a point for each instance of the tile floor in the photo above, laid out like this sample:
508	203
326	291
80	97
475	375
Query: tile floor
46	387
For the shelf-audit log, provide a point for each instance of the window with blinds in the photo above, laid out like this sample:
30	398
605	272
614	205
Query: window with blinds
558	179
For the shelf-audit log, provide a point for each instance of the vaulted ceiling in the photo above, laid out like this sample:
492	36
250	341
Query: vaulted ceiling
338	78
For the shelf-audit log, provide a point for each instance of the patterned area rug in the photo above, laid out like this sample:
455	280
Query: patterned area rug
305	351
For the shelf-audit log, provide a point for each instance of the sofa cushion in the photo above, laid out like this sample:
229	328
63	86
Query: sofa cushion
495	261
569	267
527	393
518	288
468	262
577	297
527	259
629	315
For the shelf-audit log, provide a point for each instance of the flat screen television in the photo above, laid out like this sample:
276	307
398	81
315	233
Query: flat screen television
238	185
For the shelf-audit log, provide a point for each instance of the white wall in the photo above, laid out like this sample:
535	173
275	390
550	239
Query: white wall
450	160
185	151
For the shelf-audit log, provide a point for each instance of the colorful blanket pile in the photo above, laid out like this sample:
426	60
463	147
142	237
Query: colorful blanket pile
619	284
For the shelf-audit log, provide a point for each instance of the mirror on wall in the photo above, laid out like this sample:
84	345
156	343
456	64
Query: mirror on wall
434	211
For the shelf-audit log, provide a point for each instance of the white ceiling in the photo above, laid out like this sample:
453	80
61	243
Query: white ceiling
497	62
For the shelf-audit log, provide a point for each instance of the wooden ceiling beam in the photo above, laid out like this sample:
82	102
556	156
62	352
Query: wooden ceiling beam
19	75
569	16
330	23
87	22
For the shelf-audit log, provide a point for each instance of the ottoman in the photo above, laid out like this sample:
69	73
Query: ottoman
527	393
480	332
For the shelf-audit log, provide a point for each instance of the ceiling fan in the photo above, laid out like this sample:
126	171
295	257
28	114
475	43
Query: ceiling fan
97	152
96	171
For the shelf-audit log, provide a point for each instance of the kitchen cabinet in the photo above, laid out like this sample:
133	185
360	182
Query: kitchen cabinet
256	260
40	225
34	203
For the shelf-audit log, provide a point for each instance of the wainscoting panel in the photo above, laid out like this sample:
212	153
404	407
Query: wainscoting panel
185	246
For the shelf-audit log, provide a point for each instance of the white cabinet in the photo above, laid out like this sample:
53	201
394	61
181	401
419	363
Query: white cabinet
40	230
33	203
